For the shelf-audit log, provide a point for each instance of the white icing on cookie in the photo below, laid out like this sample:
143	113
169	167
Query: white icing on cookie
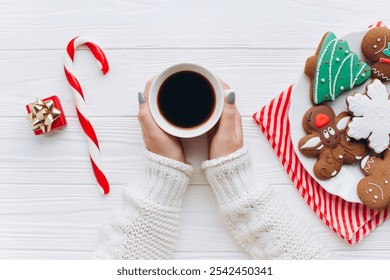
380	189
312	143
371	116
330	69
320	147
380	74
338	73
366	163
342	124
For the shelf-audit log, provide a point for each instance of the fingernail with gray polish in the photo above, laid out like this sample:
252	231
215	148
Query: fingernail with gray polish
231	97
141	97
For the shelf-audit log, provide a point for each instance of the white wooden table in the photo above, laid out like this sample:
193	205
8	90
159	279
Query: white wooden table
50	206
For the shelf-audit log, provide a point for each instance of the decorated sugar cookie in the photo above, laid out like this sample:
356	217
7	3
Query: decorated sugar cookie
334	69
371	116
376	47
374	189
327	140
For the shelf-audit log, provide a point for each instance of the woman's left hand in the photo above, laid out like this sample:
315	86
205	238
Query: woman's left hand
156	140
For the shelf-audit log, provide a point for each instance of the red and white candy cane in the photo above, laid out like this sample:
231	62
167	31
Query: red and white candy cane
93	144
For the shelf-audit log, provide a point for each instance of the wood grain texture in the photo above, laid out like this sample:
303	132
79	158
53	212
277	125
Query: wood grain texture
115	94
63	155
169	24
50	206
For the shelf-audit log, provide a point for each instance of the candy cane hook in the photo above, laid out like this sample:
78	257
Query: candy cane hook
78	95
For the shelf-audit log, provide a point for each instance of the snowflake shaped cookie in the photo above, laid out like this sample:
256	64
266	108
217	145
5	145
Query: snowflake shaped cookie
371	116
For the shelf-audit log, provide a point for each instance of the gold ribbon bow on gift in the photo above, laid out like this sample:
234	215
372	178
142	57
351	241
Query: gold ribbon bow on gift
42	115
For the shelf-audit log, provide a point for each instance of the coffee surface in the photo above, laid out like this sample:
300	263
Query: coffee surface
186	99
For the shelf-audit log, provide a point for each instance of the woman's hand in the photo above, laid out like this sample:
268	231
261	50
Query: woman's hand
156	140
227	137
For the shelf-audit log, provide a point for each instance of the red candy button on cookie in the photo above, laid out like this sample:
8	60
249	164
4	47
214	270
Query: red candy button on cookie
321	120
384	60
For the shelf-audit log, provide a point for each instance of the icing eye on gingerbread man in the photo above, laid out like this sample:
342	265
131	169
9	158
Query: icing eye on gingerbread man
326	139
376	48
374	189
326	134
380	41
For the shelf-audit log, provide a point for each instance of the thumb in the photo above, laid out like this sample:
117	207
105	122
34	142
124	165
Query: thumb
144	116
228	118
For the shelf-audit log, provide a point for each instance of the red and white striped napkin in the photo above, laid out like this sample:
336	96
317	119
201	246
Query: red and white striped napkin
351	221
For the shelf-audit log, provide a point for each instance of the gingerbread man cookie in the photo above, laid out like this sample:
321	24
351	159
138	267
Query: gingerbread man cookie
376	47
327	140
334	69
374	189
371	116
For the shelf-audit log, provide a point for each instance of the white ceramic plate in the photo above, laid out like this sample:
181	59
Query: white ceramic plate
344	184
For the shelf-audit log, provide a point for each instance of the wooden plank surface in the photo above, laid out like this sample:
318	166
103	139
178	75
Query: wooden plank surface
160	24
50	207
42	73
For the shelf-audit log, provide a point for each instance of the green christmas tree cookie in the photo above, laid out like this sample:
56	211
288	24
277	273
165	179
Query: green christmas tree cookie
334	69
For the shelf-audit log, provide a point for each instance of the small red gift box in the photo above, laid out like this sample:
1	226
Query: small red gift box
46	115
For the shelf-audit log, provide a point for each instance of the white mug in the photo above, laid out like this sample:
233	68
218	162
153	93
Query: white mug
197	130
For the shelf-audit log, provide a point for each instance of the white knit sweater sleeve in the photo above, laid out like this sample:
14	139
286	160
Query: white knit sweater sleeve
255	215
146	226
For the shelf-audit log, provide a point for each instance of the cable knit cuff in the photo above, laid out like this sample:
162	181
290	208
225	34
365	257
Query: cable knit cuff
231	177
165	180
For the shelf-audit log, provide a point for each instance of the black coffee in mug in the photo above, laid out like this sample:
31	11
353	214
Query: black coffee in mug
186	99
